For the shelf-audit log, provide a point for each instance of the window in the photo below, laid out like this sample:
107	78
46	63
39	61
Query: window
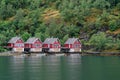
76	45
56	45
37	45
19	45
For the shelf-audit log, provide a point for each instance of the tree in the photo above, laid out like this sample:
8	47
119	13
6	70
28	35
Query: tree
25	36
64	39
114	25
79	8
34	4
2	41
101	4
98	41
118	5
6	10
19	15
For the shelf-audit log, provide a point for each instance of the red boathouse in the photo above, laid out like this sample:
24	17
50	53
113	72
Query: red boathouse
73	44
34	45
52	44
16	44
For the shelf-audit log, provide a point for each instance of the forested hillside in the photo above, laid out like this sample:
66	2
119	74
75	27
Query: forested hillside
95	22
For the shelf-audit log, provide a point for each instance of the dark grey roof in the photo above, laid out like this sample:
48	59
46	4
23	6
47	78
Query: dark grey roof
50	40
71	40
14	39
32	40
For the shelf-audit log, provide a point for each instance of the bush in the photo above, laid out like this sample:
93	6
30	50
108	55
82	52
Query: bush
25	36
113	25
98	41
118	6
118	44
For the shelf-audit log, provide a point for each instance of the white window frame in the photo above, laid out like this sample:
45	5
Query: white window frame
76	45
37	45
19	44
56	45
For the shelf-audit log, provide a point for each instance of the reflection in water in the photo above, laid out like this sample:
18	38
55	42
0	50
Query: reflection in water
45	68
73	67
51	68
17	68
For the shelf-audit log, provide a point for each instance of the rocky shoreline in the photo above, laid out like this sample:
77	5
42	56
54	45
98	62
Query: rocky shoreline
102	53
64	54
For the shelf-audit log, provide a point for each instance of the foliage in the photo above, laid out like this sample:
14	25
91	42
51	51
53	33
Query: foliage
59	18
114	24
25	36
118	42
98	40
101	4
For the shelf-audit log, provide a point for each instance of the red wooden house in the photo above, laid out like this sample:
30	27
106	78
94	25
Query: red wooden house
16	44
34	45
73	44
52	44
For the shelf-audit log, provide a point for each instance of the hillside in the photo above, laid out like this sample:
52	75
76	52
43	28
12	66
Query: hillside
95	22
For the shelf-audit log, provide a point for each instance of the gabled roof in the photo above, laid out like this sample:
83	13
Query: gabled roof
14	39
32	40
71	40
50	40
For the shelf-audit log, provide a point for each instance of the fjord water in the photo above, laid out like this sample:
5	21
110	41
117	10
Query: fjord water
73	67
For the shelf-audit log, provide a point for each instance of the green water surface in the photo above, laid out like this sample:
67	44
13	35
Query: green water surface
73	67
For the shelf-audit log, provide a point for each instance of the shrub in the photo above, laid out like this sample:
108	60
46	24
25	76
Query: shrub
113	25
99	41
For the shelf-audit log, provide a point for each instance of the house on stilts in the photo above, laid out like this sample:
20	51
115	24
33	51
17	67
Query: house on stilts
16	44
73	45
33	45
51	45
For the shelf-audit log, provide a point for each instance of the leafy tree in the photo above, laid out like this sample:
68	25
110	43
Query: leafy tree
6	10
118	5
114	24
99	41
118	43
101	4
25	36
2	41
19	15
35	4
64	39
